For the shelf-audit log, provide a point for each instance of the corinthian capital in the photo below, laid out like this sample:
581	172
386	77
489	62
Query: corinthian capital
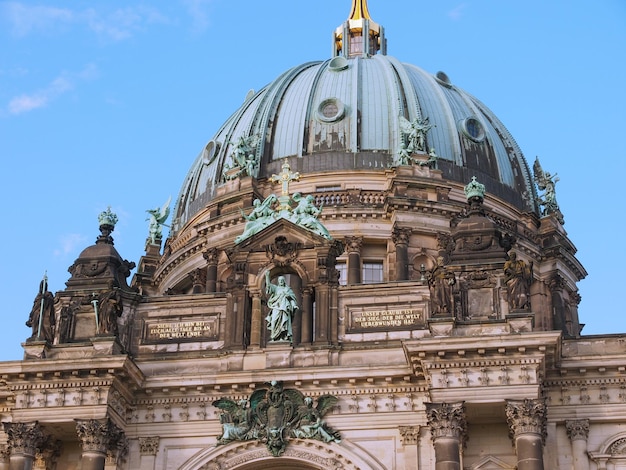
526	417
354	244
446	420
577	429
401	235
24	438
98	435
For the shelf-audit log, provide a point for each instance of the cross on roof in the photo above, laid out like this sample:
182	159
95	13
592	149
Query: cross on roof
285	177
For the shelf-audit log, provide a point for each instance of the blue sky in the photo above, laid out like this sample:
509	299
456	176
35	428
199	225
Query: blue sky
108	103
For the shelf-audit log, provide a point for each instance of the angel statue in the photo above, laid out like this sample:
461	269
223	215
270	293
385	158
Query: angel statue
236	420
243	158
546	182
414	134
310	424
157	219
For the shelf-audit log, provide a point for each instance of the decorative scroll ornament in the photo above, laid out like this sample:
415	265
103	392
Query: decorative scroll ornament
274	415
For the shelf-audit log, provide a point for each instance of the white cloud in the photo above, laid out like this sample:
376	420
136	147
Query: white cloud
115	25
198	10
70	243
457	12
40	98
25	19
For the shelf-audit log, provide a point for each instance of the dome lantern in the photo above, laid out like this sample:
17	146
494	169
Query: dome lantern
359	35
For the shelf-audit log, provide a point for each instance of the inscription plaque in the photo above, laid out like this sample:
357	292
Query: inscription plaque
175	331
363	320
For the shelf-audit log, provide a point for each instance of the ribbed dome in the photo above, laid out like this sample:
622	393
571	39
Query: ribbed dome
351	112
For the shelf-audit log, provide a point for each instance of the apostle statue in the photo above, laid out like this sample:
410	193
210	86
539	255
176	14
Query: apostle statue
283	305
518	276
440	281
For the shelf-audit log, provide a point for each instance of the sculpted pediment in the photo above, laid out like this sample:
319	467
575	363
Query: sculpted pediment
285	230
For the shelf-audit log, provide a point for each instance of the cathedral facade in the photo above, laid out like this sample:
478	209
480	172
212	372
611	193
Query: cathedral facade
362	272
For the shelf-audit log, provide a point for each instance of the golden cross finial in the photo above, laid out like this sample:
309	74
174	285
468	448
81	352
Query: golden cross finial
285	177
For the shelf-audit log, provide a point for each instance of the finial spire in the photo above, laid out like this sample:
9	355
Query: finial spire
359	10
359	35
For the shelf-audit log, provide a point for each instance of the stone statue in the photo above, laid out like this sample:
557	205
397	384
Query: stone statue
235	419
414	134
110	308
547	182
157	219
310	424
243	158
283	306
305	215
440	282
261	216
42	317
518	277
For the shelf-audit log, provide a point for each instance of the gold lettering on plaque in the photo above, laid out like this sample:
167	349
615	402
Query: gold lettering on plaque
373	319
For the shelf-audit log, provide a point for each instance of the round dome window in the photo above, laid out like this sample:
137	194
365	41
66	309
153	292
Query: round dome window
473	129
330	110
338	63
210	152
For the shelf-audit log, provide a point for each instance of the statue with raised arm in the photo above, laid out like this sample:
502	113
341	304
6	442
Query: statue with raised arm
546	182
518	276
261	216
283	305
157	219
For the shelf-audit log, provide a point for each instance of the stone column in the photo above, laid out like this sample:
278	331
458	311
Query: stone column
148	448
354	245
24	439
527	427
256	322
448	430
400	237
4	457
98	437
578	432
307	317
198	281
212	257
